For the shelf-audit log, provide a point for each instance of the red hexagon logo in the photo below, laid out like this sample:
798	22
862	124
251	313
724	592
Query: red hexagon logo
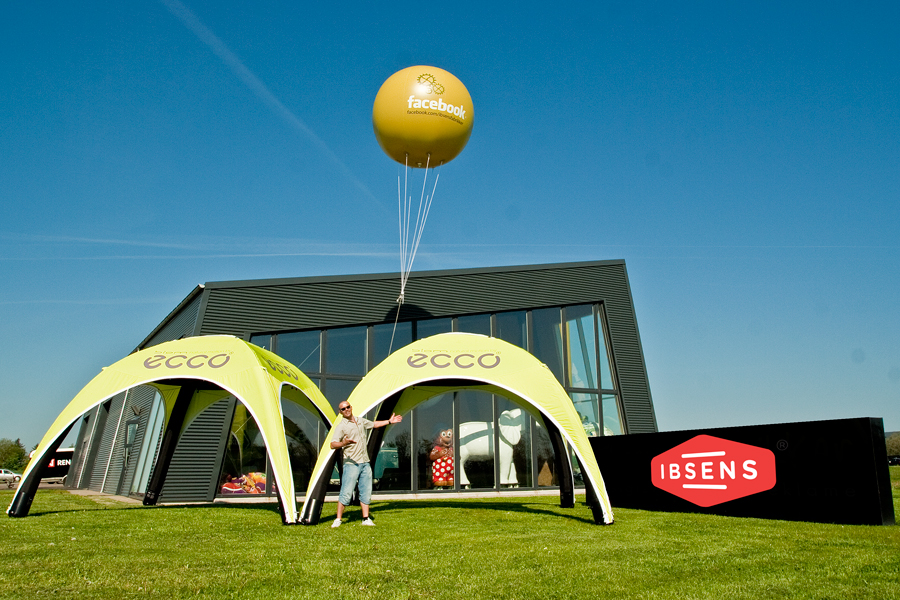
707	470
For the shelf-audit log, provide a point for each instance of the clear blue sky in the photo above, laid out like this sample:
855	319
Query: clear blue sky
743	160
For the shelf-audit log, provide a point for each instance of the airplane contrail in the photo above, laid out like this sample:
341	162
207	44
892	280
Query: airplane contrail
189	20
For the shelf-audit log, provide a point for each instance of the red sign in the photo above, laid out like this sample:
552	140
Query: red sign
707	470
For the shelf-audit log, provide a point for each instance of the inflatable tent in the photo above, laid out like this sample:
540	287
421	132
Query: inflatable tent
190	374
453	361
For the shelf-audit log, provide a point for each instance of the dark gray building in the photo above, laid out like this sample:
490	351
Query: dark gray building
577	318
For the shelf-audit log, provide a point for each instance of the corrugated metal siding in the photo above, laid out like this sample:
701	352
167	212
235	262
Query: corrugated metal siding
102	461
140	398
181	325
628	357
300	305
197	459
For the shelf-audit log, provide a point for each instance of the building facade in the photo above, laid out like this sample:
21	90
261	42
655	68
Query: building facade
576	318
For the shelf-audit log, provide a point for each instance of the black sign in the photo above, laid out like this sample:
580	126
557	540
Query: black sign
825	471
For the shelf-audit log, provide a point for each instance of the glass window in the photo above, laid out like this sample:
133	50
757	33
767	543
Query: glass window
263	341
543	454
346	351
612	424
131	432
381	342
547	346
429	327
301	432
588	410
577	475
393	467
338	390
433	417
514	452
512	327
581	340
302	349
606	381
476	439
474	324
244	466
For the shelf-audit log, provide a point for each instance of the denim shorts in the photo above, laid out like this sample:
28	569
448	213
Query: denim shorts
354	472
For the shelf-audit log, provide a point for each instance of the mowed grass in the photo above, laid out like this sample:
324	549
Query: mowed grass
73	546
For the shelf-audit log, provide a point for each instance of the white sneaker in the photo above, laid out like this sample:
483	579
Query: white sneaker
336	524
368	521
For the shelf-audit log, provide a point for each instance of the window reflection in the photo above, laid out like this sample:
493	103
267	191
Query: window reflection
612	424
606	381
577	475
429	327
548	339
302	434
512	327
544	456
476	440
263	341
588	410
301	349
393	467
338	390
346	351
474	324
432	417
581	338
244	467
514	451
381	342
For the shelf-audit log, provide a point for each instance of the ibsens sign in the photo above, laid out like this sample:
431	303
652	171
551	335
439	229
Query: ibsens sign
707	470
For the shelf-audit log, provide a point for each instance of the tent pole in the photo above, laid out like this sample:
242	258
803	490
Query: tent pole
21	504
563	466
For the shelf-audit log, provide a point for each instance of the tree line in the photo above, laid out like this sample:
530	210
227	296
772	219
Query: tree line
13	455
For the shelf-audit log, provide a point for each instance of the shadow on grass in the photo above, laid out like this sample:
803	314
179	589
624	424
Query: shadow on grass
525	506
267	507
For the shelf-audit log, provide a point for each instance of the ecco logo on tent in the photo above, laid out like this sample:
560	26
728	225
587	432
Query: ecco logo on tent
463	360
707	470
194	361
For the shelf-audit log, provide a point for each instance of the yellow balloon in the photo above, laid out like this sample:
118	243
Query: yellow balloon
421	111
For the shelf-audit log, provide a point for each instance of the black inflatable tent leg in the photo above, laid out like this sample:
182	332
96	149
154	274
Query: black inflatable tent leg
313	512
563	466
21	504
591	498
169	441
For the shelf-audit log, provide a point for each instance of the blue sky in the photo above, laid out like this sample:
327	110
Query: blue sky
743	160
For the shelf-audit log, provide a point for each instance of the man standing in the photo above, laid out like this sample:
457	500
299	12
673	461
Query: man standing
350	436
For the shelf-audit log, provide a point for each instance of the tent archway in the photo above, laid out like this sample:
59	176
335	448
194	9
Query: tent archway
454	361
182	370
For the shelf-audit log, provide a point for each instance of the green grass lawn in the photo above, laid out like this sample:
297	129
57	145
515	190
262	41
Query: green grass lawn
73	546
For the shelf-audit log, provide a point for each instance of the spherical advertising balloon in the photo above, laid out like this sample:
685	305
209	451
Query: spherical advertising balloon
421	111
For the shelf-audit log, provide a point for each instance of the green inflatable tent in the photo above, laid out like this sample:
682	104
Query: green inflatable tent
190	374
453	361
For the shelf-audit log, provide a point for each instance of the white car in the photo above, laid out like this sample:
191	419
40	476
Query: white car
9	477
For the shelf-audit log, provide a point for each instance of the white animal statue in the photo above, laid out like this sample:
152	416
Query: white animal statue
476	439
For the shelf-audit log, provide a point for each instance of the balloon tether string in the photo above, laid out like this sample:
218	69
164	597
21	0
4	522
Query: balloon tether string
407	253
